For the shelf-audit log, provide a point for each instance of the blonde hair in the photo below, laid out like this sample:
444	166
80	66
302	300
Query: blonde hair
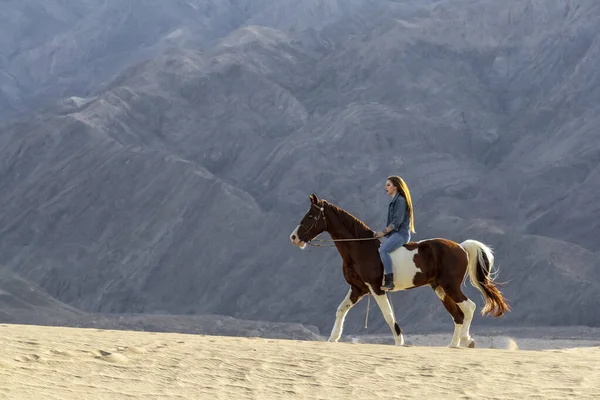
403	189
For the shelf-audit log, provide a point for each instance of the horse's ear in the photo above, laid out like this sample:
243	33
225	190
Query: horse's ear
314	199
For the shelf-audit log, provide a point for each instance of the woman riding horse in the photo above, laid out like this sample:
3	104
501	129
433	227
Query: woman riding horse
399	225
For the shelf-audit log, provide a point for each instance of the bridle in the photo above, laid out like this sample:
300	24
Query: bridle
316	218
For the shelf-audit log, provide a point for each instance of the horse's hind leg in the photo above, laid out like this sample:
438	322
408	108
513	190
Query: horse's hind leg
388	315
349	301
462	310
468	308
455	312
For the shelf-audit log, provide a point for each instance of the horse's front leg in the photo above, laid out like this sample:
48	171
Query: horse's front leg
352	297
388	314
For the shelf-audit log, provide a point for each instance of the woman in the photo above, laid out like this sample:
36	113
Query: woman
400	224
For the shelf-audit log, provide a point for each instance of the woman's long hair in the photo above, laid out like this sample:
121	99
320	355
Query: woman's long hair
403	190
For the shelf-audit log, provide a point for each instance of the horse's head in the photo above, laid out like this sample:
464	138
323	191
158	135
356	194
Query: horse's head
312	224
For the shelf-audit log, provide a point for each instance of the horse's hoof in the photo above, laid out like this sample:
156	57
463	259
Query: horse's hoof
472	344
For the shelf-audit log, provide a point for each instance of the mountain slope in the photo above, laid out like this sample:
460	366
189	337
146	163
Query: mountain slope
63	47
21	302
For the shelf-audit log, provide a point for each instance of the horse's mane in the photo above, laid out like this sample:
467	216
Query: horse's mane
355	226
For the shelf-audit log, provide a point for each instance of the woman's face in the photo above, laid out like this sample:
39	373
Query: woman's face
390	188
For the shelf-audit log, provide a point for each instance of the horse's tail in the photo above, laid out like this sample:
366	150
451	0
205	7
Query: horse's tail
481	264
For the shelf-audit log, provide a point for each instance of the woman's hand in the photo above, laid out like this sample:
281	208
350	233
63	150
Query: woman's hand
379	234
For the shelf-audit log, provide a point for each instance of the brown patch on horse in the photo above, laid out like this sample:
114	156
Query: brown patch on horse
453	309
412	245
354	280
450	263
356	294
425	261
361	262
428	260
348	222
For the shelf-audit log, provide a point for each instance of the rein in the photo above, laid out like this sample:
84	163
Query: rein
334	240
322	216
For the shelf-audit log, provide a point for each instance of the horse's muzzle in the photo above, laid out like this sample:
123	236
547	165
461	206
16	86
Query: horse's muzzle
295	239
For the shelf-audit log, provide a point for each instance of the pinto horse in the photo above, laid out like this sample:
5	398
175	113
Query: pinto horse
439	263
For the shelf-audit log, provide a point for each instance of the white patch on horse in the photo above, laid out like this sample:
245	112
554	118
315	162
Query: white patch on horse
468	309
456	336
388	315
340	315
404	268
296	240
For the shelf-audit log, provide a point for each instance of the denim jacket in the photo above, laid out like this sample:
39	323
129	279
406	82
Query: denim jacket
397	218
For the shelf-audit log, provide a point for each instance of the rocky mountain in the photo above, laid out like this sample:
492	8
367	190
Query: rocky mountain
162	156
24	302
61	48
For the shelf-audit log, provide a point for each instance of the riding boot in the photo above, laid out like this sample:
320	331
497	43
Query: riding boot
389	282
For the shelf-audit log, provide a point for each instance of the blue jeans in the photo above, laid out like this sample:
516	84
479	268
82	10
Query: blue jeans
395	240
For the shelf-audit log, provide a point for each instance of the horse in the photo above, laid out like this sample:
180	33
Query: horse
439	263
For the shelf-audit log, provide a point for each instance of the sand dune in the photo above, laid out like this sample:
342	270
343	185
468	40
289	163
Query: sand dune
67	363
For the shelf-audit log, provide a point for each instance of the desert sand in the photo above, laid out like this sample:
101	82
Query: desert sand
68	363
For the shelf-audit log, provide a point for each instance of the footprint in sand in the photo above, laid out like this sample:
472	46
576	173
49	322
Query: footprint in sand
134	350
107	356
29	358
63	353
29	342
161	346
